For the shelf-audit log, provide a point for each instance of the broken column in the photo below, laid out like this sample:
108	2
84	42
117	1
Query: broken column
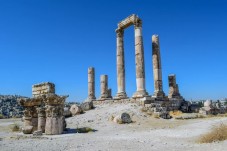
55	120
91	84
105	92
173	87
121	94
30	116
41	119
157	68
139	56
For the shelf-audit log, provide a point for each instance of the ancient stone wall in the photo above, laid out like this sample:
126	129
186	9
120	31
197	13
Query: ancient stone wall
43	88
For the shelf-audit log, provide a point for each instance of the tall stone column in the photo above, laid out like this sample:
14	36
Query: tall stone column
157	68
121	94
139	57
91	84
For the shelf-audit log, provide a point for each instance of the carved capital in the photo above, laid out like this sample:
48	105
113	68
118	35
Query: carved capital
138	23
41	112
120	32
54	111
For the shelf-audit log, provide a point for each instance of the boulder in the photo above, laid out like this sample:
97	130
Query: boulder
27	129
122	118
75	109
86	106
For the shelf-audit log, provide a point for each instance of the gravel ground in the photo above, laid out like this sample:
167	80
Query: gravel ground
145	133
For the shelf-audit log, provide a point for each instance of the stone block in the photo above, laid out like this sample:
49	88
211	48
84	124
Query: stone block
27	129
86	106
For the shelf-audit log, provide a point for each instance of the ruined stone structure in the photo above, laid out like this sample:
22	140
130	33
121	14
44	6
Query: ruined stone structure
105	92
55	120
44	112
30	117
139	56
173	87
43	88
91	84
157	68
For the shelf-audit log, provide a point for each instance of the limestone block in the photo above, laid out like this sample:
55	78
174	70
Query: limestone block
75	109
27	129
122	118
86	106
54	125
41	124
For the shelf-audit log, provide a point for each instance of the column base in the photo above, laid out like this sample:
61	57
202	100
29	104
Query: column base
121	95
140	94
159	94
90	99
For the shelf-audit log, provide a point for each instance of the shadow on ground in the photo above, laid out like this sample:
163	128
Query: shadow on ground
79	130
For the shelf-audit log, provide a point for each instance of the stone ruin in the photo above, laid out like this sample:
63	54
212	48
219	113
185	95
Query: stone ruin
159	101
212	108
44	111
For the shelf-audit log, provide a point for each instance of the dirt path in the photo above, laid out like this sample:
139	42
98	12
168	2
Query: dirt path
146	133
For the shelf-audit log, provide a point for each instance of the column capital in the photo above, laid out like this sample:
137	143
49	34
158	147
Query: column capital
120	32
138	23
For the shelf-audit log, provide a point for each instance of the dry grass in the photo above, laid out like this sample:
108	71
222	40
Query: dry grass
15	127
175	113
218	133
1	116
143	109
84	130
187	116
156	115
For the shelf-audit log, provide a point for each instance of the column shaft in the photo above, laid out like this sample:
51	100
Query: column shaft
91	84
139	58
157	68
104	86
120	65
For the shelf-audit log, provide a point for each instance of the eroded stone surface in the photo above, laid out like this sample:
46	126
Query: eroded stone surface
157	68
91	84
122	118
139	55
75	109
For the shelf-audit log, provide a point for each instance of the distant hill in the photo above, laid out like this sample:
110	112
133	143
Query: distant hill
9	107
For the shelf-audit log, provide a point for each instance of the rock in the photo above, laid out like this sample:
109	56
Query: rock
67	112
165	115
208	103
86	106
27	129
122	118
37	133
75	110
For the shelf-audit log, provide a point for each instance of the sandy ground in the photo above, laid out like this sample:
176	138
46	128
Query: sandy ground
145	133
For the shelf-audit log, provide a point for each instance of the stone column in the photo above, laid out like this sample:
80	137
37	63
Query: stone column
104	86
30	114
139	57
173	87
27	121
91	84
121	94
55	121
157	68
41	119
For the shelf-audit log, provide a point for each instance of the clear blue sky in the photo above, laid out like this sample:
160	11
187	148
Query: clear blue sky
57	40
